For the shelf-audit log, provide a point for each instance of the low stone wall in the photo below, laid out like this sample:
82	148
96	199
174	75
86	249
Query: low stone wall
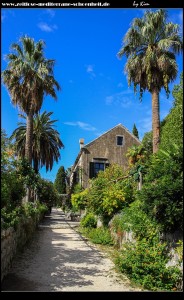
172	238
13	241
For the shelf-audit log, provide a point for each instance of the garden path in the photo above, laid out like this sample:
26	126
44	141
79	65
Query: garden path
59	259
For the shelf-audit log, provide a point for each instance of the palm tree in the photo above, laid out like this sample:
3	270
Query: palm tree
150	46
45	144
28	78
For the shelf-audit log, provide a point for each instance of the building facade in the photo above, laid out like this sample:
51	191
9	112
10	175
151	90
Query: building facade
109	148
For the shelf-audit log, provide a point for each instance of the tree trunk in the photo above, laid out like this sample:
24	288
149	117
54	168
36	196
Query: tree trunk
29	134
155	120
28	148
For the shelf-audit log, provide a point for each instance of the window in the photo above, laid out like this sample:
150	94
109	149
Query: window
98	167
119	140
95	167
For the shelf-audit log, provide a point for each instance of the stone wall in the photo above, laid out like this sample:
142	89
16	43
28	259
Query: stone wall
105	147
171	238
13	241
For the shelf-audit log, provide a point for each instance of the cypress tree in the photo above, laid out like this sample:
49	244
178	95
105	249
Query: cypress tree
60	181
135	131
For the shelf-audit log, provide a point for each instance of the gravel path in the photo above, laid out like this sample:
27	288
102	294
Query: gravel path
60	259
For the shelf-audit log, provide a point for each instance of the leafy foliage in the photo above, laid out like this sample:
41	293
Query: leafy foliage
47	193
13	179
145	263
89	221
150	45
46	142
147	143
133	218
135	131
110	192
162	192
172	131
60	181
80	200
98	235
12	217
28	78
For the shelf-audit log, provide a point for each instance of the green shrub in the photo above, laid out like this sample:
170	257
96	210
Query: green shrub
10	218
134	219
110	192
144	262
89	220
80	199
162	191
98	235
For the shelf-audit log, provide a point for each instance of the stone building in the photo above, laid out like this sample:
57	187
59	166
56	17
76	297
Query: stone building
109	148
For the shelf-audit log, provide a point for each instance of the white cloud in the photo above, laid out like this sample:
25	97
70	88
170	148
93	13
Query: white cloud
90	70
123	99
47	28
145	124
50	12
120	85
82	125
109	100
3	17
6	14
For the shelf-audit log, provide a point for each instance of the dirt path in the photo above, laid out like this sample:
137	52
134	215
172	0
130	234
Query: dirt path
60	259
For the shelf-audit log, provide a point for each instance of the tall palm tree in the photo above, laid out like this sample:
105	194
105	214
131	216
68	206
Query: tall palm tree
46	142
28	78
150	46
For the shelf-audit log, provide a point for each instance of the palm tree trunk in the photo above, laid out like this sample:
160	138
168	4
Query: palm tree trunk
29	134
28	148
155	120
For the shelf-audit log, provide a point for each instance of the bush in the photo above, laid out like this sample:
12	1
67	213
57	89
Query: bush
162	192
10	218
89	220
47	193
79	200
145	263
109	193
98	235
134	219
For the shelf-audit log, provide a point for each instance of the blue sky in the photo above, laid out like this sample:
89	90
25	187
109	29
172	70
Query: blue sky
95	95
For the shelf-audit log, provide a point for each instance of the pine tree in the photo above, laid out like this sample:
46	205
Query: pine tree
135	131
60	181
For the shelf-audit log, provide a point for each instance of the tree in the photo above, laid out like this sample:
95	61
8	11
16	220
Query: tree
47	193
172	130
28	78
60	181
150	46
147	142
162	192
46	142
135	131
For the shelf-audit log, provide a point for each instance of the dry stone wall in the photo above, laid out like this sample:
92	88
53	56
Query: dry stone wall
13	241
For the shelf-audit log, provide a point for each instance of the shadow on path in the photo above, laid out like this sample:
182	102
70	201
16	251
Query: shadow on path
58	258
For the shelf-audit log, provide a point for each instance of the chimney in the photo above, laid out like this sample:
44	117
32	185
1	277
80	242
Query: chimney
81	142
